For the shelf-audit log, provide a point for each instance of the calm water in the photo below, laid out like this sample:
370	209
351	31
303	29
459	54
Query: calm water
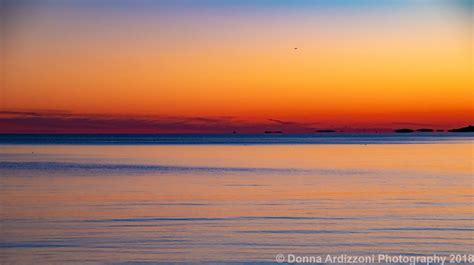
232	199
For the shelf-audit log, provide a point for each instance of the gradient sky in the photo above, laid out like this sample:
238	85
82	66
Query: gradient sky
218	66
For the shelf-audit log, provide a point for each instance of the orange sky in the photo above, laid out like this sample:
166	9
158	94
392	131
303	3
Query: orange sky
355	64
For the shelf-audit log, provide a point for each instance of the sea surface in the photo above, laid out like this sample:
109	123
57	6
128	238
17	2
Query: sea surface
233	199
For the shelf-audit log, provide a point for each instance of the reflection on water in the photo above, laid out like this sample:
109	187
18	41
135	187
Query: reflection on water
235	203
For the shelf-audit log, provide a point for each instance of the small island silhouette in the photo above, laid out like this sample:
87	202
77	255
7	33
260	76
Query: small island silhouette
325	131
404	130
273	132
425	130
469	128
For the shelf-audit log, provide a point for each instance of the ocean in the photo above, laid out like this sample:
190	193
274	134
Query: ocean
233	199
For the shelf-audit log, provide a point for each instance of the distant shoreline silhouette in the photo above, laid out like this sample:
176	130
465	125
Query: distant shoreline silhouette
469	128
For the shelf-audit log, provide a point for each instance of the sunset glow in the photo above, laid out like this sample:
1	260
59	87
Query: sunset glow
211	66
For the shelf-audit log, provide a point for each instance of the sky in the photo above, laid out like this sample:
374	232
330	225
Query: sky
123	66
